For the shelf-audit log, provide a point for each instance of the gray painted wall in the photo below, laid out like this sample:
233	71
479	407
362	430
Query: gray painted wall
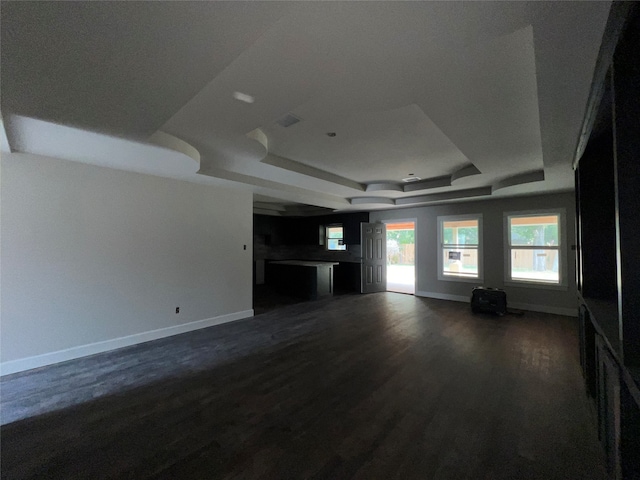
535	298
91	254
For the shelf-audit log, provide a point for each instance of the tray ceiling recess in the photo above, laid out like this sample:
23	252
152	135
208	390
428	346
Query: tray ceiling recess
332	105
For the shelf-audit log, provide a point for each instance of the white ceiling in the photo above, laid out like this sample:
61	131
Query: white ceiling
475	98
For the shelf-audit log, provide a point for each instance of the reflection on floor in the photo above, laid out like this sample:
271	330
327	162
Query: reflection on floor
266	299
401	278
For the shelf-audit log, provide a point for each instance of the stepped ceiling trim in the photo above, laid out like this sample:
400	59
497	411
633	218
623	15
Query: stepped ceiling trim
464	95
437	197
384	186
170	142
301	168
521	179
420	199
5	145
428	183
465	172
323	199
371	200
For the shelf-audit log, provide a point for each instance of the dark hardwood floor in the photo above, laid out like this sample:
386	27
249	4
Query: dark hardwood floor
362	386
267	298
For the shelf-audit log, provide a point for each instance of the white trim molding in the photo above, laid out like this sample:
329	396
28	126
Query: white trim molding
22	364
569	312
444	296
561	248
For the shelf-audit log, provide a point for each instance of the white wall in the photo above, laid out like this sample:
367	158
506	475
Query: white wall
532	298
91	254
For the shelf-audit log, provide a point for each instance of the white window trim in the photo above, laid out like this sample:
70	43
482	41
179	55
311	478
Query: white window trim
453	278
562	251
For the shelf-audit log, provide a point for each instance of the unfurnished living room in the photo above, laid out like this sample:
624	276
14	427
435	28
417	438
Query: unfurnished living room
290	240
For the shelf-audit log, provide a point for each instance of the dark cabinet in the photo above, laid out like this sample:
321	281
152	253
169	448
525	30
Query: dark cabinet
350	223
352	227
608	242
347	277
292	231
308	280
307	230
268	229
608	401
629	428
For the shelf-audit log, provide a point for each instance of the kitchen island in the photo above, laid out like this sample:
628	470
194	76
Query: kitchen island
307	279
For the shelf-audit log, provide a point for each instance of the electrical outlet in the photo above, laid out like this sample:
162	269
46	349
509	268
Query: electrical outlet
177	309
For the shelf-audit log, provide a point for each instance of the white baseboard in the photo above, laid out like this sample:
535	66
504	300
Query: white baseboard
444	296
36	361
569	312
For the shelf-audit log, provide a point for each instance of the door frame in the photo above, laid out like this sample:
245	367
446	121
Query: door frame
416	252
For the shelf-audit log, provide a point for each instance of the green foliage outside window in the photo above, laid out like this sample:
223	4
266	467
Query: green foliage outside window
466	236
534	234
403	237
334	232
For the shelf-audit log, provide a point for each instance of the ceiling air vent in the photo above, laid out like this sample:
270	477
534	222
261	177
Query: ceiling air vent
411	179
288	120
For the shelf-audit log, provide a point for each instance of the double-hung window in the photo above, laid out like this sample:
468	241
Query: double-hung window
534	247
460	252
335	237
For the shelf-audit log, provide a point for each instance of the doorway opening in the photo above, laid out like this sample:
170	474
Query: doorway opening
401	257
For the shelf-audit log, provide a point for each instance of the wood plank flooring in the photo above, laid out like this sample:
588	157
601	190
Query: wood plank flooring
385	386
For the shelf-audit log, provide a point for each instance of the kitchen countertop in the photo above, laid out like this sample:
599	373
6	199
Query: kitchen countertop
304	263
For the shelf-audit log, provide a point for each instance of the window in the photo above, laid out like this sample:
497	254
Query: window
335	238
534	247
460	254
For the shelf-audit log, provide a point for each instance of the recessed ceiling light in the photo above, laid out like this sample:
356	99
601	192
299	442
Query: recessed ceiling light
243	97
331	134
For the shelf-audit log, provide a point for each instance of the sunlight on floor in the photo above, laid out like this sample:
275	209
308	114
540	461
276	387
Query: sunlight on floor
401	278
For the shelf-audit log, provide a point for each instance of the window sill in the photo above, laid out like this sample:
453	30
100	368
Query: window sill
452	278
542	286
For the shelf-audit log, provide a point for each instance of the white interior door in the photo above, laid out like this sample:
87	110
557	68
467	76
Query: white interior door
374	257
